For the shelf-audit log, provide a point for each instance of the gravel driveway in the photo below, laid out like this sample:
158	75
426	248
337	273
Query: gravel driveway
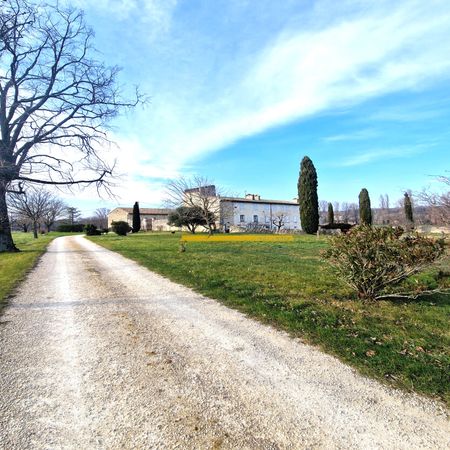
100	353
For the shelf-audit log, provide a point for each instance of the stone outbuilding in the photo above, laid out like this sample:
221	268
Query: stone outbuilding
152	219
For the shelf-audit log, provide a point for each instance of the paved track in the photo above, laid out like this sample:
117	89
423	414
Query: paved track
99	353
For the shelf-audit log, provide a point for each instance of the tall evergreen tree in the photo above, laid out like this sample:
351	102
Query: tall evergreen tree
330	213
408	209
136	218
307	196
365	213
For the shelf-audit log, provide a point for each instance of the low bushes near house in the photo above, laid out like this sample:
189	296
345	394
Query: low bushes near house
120	227
370	259
91	230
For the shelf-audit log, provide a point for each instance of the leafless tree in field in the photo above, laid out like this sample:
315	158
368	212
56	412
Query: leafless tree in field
55	102
323	210
19	220
33	204
197	191
437	202
337	211
279	220
345	212
101	217
55	209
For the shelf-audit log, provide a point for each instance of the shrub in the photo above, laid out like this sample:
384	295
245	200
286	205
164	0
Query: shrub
70	228
369	258
120	227
91	230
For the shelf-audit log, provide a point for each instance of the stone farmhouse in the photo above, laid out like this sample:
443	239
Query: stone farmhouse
152	219
253	212
234	214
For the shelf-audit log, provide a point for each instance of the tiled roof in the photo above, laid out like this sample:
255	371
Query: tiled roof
262	200
148	211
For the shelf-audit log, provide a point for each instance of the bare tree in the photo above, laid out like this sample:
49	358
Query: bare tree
323	210
55	102
345	212
33	204
279	220
337	211
55	208
101	217
437	202
198	192
353	212
19	221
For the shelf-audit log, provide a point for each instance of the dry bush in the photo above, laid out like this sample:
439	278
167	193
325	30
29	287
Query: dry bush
369	258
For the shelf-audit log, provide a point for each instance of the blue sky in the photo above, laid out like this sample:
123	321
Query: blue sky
241	90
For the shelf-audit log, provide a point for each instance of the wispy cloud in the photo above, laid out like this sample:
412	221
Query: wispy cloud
373	155
396	114
155	14
360	135
297	75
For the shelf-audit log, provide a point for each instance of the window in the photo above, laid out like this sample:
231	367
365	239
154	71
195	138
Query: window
255	218
242	218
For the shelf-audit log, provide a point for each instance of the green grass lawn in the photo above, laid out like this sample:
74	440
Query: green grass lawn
406	344
14	266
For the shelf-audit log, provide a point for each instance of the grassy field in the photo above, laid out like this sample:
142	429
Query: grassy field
406	344
14	266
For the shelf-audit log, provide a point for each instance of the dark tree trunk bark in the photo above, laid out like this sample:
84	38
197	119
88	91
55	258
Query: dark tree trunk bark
6	240
35	230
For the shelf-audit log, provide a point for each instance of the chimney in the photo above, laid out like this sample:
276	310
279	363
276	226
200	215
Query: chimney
253	196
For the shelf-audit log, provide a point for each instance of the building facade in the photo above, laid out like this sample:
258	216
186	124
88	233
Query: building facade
152	219
253	212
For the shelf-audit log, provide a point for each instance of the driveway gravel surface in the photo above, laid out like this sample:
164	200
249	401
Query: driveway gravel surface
100	353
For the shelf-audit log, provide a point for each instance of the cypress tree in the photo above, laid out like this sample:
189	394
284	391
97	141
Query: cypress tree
408	209
136	218
365	213
307	196
330	213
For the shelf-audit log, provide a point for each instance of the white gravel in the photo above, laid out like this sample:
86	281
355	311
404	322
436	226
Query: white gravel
100	353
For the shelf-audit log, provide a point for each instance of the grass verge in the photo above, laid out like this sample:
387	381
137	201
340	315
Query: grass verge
405	344
14	266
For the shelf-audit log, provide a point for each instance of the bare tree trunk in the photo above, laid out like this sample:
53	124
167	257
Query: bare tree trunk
6	240
35	230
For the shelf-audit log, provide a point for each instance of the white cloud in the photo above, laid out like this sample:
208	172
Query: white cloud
302	73
373	155
360	135
155	14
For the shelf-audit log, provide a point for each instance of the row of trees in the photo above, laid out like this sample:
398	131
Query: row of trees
434	207
309	202
40	209
35	207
